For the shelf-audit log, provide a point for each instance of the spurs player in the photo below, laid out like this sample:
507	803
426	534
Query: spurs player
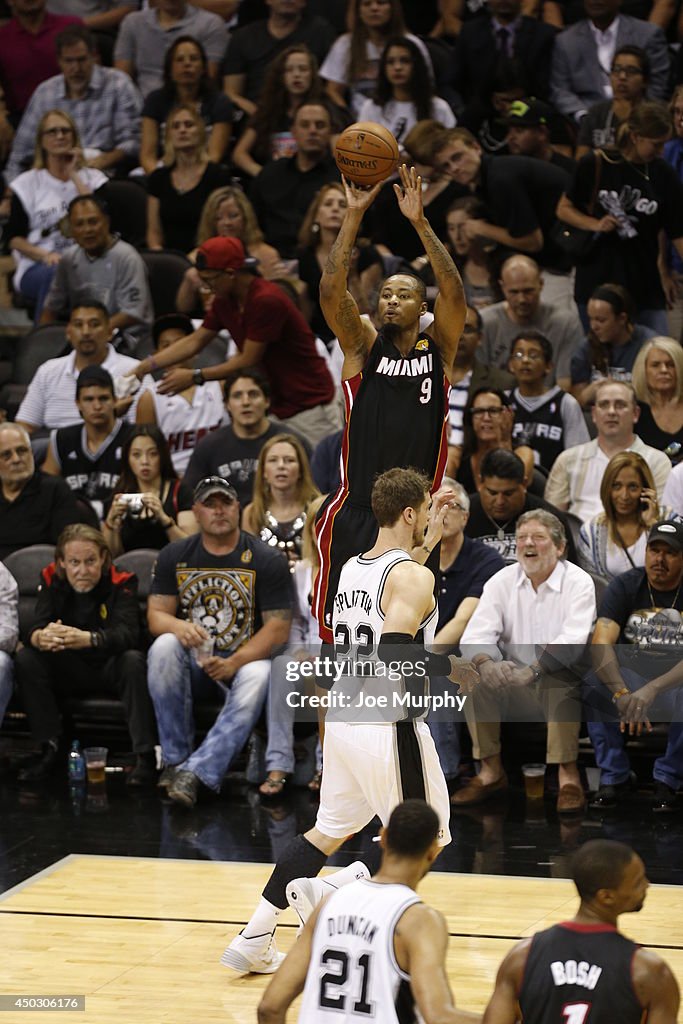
374	951
371	767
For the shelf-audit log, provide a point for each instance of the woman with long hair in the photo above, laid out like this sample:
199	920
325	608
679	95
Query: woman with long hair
658	384
317	236
404	93
626	197
673	285
291	79
186	81
40	199
283	486
228	213
179	189
487	424
615	539
151	506
351	67
478	259
612	343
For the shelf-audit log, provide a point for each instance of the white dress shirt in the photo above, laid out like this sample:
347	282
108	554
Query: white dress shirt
512	618
606	44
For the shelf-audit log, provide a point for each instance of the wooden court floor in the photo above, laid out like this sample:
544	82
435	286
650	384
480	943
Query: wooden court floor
141	938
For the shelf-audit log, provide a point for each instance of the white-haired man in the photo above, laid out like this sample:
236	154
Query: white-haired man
528	631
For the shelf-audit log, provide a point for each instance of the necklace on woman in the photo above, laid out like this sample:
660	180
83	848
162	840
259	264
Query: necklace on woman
652	596
643	173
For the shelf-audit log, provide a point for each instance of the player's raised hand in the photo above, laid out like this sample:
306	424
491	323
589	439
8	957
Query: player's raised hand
409	194
358	198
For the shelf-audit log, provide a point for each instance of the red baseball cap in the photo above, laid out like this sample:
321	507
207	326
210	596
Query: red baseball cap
223	254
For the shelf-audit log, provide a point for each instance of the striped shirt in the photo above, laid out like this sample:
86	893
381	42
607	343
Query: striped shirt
107	116
51	397
457	403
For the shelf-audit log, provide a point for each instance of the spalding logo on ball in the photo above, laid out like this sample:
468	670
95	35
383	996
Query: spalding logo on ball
366	153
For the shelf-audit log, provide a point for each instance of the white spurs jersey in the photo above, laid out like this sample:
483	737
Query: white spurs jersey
184	423
357	625
353	973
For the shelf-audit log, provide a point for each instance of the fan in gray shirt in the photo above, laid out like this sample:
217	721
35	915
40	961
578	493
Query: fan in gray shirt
100	266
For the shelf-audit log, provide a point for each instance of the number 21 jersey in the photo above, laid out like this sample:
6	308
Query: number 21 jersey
353	973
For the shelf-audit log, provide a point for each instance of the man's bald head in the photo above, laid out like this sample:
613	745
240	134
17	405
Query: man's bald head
520	279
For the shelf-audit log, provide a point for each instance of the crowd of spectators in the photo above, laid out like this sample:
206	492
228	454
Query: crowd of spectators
549	139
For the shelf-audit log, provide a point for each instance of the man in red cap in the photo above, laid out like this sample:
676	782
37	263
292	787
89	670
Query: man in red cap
268	330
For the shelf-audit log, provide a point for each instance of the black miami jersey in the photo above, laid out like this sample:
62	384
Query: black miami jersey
580	974
396	417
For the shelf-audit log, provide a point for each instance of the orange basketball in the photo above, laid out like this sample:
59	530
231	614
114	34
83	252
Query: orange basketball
366	153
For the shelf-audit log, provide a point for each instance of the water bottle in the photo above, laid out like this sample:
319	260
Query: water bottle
76	763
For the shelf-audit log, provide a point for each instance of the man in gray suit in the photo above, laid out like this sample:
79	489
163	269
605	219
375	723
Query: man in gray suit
582	58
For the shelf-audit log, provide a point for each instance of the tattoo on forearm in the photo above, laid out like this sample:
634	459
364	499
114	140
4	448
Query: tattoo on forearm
340	253
441	262
347	318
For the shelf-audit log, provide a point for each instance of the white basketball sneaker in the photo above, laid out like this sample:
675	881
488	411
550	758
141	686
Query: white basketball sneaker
256	955
304	894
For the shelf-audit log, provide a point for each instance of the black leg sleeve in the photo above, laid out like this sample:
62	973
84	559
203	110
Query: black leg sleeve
299	859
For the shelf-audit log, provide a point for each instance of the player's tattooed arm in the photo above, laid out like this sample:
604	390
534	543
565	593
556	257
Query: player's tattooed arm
338	305
450	307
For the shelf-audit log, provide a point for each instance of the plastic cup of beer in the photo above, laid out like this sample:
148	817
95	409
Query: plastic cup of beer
204	651
534	780
95	763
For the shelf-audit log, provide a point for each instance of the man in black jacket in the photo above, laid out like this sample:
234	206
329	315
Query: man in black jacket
34	508
86	628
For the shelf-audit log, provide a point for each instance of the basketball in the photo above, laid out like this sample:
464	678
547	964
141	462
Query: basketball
366	153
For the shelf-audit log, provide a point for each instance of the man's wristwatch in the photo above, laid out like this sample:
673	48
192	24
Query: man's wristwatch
198	376
94	639
536	673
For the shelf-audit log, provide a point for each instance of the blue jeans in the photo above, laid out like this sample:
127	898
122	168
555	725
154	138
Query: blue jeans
35	284
279	754
608	740
174	680
445	733
6	682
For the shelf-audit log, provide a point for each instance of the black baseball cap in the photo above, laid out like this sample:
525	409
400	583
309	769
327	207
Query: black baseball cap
93	375
214	485
528	113
668	532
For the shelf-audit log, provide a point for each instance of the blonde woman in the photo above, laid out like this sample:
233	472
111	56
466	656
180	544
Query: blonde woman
227	213
615	540
283	486
658	383
178	191
40	199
